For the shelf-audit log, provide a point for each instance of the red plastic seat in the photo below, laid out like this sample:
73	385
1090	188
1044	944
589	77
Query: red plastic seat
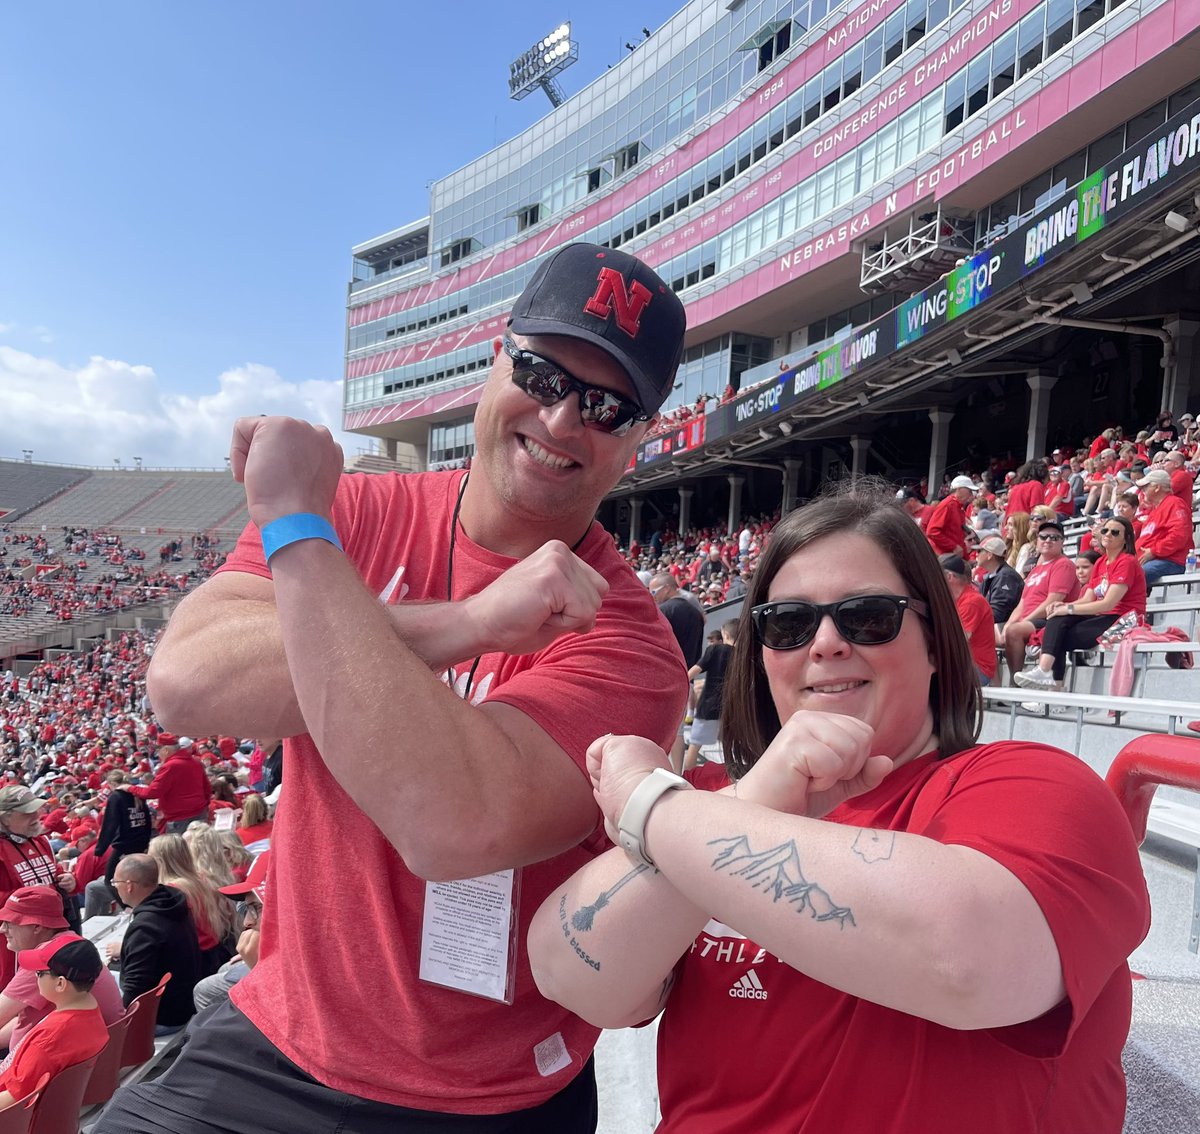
142	1015
18	1118
107	1072
57	1110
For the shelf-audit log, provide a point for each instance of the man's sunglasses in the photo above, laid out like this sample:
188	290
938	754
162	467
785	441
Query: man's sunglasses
864	620
548	383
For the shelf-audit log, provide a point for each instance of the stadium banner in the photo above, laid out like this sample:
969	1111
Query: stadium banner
1130	180
687	435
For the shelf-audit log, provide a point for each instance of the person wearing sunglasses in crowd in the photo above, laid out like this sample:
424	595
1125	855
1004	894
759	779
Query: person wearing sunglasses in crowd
888	925
441	649
1117	588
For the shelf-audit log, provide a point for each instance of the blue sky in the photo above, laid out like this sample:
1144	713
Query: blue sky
183	184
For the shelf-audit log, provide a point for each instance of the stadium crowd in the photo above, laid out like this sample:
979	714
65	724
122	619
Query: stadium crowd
92	572
98	802
1001	538
83	760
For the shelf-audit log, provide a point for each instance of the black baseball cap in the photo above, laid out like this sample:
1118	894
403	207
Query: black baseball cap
615	302
67	955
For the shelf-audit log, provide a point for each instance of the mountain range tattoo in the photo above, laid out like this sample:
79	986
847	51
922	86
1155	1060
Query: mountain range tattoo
777	872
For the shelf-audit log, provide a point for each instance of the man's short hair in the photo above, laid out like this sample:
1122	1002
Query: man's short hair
138	868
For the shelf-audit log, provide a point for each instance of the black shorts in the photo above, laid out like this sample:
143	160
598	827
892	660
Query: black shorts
231	1080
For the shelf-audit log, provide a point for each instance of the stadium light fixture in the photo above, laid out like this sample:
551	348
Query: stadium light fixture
786	427
1081	292
538	66
953	357
1176	221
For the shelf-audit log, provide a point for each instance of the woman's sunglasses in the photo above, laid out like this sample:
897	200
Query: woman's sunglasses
864	620
548	383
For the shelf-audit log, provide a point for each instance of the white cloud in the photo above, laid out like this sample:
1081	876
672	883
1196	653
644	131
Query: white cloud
40	333
90	414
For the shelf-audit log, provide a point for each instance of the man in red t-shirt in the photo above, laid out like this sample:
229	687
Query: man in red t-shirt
1182	481
1166	536
441	680
947	526
975	614
1052	580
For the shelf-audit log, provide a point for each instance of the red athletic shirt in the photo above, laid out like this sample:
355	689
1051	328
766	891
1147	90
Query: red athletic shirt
357	1018
799	1057
59	1041
1167	532
1124	569
1024	497
979	624
29	862
180	785
34	1006
945	527
1048	578
1182	483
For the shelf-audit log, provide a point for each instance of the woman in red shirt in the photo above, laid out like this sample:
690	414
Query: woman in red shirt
1117	588
255	827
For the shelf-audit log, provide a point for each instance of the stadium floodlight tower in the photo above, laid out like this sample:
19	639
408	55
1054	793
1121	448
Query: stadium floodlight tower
538	66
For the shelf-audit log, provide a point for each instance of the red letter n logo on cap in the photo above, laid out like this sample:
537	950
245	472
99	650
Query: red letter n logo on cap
611	298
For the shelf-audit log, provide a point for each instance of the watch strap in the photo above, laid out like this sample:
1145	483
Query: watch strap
295	527
631	828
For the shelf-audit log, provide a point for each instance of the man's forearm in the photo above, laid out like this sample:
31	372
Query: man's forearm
221	667
445	784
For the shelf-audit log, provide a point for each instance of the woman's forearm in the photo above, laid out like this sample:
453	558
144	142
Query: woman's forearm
604	944
937	931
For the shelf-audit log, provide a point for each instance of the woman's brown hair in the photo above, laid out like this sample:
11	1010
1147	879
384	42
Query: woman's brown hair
749	721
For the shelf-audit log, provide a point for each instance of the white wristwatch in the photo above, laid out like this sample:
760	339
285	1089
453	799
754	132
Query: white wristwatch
631	828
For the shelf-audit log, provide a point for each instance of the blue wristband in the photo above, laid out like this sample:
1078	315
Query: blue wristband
293	528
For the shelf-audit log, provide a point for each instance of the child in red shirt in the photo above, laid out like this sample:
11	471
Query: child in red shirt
66	967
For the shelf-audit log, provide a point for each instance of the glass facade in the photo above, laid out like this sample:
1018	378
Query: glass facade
685	78
451	441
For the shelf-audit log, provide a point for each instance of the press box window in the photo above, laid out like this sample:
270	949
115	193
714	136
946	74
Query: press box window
626	158
459	250
528	217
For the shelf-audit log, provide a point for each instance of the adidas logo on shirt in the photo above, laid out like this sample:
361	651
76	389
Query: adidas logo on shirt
748	987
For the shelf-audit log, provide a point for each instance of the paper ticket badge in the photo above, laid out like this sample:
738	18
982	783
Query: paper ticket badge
469	935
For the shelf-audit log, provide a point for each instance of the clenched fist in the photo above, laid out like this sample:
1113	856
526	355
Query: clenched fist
816	762
550	593
287	466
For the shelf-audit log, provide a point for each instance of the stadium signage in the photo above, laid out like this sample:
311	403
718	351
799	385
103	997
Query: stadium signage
1112	191
766	402
837	35
1130	181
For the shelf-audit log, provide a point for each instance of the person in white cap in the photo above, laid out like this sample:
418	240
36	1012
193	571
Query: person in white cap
1166	537
1000	585
947	528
